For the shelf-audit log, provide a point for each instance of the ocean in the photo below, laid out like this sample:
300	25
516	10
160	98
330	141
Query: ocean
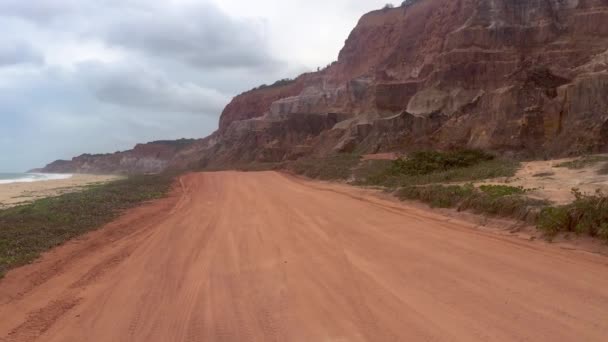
7	178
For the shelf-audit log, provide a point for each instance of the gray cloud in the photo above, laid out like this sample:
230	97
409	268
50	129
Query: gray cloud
140	88
56	113
40	10
15	53
200	35
102	75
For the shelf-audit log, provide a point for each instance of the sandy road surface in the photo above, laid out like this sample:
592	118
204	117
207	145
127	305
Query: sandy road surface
264	257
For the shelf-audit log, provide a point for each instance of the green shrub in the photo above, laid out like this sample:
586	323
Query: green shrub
502	190
543	174
588	214
495	201
552	220
419	168
426	162
483	170
279	83
513	206
438	196
368	170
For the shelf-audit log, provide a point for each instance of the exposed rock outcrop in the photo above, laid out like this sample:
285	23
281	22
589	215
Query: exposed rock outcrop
522	76
152	157
527	77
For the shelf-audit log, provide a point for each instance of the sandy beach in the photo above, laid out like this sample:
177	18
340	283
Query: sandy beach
17	193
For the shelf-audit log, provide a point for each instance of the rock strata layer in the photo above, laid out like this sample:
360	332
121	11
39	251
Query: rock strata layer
528	77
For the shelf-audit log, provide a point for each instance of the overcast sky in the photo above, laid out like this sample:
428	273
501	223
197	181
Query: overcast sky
99	76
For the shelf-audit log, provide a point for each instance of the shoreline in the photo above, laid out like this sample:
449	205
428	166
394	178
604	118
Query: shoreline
17	193
29	177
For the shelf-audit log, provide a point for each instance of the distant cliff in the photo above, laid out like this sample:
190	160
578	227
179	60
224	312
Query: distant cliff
152	157
524	77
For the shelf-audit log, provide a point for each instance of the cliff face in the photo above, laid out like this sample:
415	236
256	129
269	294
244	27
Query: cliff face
521	76
152	157
525	76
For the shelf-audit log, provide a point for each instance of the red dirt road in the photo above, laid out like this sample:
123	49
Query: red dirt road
265	257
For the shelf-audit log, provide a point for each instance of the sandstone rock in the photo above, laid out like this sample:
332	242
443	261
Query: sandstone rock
517	76
152	157
526	77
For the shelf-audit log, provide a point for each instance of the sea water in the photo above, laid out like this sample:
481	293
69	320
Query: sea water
6	178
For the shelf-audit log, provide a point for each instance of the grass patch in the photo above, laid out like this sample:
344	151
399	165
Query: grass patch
437	196
28	230
279	83
420	176
494	200
495	191
429	167
419	168
484	170
335	167
426	162
588	214
583	162
371	168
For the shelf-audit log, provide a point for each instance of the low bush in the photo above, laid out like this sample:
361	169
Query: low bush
368	169
279	83
512	206
493	200
543	174
426	162
483	170
502	190
437	196
588	214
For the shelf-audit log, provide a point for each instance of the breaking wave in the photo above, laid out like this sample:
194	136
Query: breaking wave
7	178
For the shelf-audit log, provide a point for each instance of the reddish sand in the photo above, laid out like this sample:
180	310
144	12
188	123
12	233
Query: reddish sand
265	257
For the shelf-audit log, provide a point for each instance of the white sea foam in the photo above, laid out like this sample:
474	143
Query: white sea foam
31	177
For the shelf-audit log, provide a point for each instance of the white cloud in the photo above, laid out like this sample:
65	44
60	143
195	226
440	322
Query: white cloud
140	88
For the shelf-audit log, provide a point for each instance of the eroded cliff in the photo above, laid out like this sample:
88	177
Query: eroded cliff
152	157
528	77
